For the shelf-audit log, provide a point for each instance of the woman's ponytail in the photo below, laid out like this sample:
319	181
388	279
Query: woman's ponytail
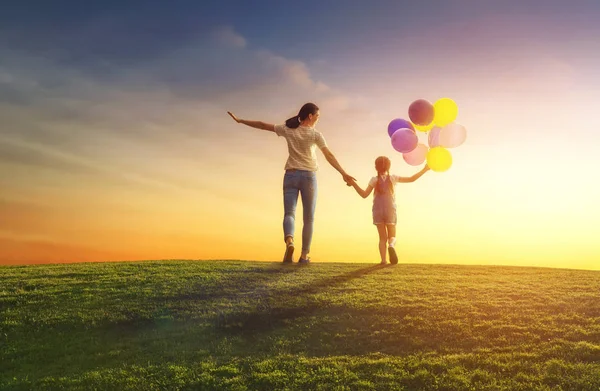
293	122
308	108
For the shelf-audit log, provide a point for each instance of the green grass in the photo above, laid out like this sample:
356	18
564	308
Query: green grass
230	325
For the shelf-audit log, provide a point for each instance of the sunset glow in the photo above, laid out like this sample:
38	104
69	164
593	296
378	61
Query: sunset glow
112	155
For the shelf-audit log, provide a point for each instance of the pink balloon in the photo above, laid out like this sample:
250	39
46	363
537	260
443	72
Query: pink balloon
417	156
434	137
452	135
404	140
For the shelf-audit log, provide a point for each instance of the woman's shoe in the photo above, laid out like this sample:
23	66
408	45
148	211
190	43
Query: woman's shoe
289	252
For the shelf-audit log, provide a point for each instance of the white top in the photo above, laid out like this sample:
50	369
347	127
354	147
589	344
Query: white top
394	178
302	144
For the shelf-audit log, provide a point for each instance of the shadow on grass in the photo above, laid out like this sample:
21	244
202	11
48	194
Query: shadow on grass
268	317
239	284
326	283
253	312
271	309
146	333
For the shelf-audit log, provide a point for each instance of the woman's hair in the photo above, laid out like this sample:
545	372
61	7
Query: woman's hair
382	165
308	108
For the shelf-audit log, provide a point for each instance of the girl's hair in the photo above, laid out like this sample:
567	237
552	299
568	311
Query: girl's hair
382	165
308	108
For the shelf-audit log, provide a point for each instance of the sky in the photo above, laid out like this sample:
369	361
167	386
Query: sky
115	143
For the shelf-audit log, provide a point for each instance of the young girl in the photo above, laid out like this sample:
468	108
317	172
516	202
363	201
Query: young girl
384	204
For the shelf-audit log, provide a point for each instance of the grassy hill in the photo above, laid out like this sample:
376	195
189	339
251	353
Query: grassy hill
231	325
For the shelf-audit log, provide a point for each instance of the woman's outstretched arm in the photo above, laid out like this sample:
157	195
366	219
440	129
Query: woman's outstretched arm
253	124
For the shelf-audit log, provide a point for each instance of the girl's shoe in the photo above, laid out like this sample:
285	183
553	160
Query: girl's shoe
289	252
304	261
393	256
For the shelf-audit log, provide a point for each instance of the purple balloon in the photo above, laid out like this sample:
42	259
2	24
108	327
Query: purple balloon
399	123
404	140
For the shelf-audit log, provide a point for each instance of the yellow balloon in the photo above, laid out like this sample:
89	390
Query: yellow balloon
424	128
439	159
445	111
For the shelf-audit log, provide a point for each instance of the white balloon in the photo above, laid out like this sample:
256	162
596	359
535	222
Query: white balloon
452	135
434	137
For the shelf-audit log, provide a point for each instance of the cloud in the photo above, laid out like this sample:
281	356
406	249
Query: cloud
77	161
131	122
227	35
322	87
292	70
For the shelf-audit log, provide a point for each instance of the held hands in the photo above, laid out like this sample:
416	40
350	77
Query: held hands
348	179
234	117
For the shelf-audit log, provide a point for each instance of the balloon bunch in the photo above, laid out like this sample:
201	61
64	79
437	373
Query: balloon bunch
439	120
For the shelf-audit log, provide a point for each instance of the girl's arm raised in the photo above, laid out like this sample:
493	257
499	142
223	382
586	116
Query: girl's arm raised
254	124
414	177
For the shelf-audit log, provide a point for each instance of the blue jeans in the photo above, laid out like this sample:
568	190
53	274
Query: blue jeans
305	183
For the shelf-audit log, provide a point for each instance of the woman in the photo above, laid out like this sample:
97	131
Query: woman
300	172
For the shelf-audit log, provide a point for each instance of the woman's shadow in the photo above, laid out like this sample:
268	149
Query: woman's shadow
272	311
